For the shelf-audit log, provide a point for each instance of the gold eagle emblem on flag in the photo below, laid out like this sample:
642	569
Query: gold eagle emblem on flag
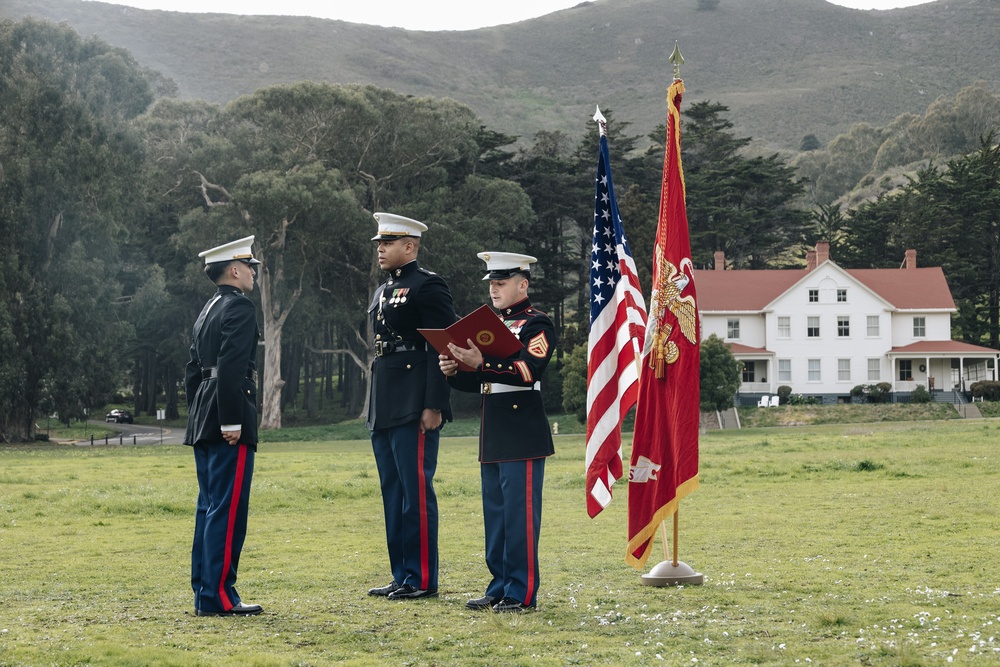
668	297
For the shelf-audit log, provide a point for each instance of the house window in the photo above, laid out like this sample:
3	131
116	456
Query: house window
905	370
844	370
814	374
844	326
873	326
784	327
842	295
812	326
748	372
733	328
784	370
814	296
919	327
874	370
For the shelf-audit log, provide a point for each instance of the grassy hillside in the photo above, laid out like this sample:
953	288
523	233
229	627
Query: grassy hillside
785	68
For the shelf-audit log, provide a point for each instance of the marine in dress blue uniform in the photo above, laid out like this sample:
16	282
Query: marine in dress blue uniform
220	382
514	437
408	404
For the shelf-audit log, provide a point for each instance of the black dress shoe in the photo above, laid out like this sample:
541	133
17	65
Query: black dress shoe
384	590
485	602
512	606
239	610
408	592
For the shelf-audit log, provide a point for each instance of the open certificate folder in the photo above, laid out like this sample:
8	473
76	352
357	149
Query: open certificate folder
484	328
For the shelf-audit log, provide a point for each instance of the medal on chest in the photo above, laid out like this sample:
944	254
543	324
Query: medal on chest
515	326
399	295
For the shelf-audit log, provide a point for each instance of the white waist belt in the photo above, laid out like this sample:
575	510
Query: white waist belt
497	388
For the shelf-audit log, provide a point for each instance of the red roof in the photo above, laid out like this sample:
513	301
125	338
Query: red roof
908	289
739	348
748	290
743	290
943	346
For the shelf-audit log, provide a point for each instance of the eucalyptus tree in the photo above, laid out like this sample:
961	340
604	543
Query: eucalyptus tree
951	215
67	177
303	167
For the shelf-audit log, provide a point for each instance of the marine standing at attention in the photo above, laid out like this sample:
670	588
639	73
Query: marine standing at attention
514	438
408	403
221	385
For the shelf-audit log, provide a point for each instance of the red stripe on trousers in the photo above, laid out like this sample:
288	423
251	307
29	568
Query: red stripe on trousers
529	522
425	573
234	504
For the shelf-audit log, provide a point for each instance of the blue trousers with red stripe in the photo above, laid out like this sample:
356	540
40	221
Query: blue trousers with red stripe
220	524
406	460
512	515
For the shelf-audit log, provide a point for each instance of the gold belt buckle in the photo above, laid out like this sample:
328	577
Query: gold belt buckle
487	388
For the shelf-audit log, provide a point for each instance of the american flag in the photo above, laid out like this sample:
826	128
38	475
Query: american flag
617	325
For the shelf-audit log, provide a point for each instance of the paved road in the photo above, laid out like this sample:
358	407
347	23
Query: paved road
138	434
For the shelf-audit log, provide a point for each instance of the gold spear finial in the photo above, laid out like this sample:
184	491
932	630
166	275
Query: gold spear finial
677	60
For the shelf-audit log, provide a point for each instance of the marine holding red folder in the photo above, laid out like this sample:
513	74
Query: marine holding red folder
514	437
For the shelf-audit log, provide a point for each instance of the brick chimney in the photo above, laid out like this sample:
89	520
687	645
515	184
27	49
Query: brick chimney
911	258
822	251
720	260
810	259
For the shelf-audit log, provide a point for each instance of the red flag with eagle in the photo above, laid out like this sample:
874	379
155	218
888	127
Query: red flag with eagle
664	461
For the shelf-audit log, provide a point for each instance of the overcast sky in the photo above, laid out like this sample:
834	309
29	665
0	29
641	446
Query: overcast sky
413	14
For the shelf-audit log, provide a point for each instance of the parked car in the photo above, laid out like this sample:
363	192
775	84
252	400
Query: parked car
119	417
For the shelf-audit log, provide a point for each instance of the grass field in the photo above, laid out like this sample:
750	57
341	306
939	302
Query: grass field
869	544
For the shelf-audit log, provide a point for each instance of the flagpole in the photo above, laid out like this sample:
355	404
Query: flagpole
672	572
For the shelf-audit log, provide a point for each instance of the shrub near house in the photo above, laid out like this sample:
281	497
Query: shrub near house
986	390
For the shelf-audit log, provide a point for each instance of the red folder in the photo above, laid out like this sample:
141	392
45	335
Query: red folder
482	327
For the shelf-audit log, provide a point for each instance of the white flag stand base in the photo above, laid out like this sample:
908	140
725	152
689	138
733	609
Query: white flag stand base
668	574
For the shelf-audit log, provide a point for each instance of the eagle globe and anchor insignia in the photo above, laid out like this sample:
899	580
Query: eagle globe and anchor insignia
658	346
485	337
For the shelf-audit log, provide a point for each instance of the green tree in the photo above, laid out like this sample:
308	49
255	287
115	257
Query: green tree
546	173
828	221
720	374
745	206
952	216
574	388
810	143
67	166
303	167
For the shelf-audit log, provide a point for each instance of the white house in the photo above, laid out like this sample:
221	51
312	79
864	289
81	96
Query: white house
823	329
